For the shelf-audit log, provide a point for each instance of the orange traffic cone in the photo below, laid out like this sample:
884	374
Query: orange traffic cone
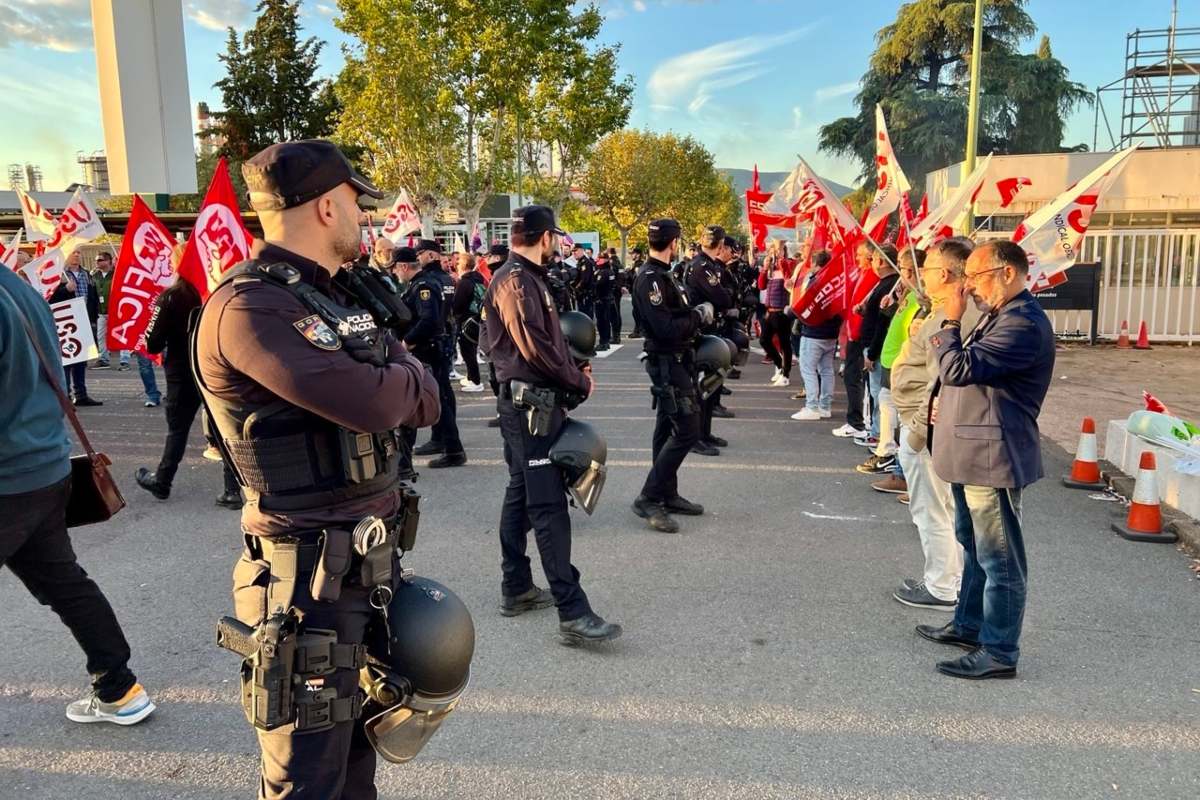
1143	340
1123	338
1085	471
1144	523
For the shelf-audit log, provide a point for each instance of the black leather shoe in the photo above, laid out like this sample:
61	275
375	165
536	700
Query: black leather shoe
494	422
726	390
655	514
536	598
702	449
977	665
145	479
449	460
230	500
716	441
734	374
429	449
588	629
87	401
721	412
946	634
678	505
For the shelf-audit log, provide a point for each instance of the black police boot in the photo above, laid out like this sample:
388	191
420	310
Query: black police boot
725	390
679	505
588	629
494	422
145	479
449	460
230	500
716	441
536	598
429	449
721	412
702	448
655	514
734	374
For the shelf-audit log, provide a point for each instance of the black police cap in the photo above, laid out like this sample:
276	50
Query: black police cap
535	219
664	227
498	250
427	244
404	255
713	236
732	244
290	174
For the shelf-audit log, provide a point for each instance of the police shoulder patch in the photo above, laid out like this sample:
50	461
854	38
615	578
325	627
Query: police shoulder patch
424	294
318	333
656	296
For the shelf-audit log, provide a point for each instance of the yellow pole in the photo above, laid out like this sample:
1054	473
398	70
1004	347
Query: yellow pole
967	223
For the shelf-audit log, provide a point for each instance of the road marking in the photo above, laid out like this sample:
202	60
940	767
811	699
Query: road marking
848	519
612	349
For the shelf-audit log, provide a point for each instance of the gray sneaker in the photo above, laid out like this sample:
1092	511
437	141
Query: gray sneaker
919	597
131	709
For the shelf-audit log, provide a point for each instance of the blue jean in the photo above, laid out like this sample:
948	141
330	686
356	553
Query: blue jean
991	601
874	384
149	383
816	368
76	380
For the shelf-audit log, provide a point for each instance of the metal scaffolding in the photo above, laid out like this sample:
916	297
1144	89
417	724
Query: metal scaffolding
1160	90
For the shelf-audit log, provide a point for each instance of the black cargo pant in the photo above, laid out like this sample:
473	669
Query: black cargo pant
35	546
445	430
676	429
536	498
604	320
470	354
334	764
616	319
181	405
852	377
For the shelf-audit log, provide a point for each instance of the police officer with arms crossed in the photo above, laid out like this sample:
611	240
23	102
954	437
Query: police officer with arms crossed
426	296
305	392
703	281
670	327
526	345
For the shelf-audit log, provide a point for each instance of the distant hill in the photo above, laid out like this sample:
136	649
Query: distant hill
742	178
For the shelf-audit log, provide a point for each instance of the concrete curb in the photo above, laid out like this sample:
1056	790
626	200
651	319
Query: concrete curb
1175	521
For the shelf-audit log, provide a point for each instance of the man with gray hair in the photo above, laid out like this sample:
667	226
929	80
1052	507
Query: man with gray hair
914	372
986	444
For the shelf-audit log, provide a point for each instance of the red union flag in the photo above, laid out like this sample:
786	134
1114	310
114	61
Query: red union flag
402	220
143	270
219	239
803	192
9	255
890	182
939	223
78	223
40	224
1051	236
45	272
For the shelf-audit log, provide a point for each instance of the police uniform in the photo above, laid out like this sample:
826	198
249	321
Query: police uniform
670	326
527	347
584	285
427	298
305	393
704	284
605	288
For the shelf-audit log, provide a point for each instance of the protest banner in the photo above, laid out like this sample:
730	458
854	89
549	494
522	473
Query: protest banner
76	342
142	271
219	239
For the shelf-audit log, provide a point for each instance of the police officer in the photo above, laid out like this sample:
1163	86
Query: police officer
584	283
670	326
605	291
703	281
429	301
631	274
528	349
305	391
558	280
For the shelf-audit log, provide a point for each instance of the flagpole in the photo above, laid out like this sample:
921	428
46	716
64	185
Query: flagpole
973	109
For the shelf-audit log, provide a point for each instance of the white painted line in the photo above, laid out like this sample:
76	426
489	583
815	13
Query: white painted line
612	349
848	519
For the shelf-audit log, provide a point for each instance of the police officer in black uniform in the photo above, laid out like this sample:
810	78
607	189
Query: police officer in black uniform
529	352
671	326
305	391
559	280
584	284
605	291
703	281
429	300
635	267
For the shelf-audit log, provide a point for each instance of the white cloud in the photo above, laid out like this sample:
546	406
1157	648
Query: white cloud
217	15
62	25
797	117
326	10
697	75
639	5
838	90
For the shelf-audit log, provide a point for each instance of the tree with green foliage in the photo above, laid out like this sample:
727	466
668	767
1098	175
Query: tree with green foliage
269	89
919	74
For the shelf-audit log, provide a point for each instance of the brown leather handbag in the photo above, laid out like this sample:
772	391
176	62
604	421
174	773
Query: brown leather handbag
94	494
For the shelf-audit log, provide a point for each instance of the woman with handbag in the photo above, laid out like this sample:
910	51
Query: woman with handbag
42	490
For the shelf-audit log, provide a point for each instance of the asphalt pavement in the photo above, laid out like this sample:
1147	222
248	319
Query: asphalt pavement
763	655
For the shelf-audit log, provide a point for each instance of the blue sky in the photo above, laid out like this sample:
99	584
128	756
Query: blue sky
752	79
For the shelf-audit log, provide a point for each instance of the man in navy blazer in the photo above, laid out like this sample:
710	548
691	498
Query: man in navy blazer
985	443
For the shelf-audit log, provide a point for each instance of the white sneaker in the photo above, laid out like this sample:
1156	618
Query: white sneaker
825	413
865	433
806	415
454	375
464	381
846	431
131	709
781	381
778	374
472	387
459	361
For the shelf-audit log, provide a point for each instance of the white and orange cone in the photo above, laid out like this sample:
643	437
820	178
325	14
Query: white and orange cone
1143	340
1085	470
1144	523
1123	337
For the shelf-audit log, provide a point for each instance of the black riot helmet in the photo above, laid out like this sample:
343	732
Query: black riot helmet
580	452
418	666
580	331
713	361
741	341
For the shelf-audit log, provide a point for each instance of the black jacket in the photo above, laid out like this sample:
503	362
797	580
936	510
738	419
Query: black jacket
875	324
167	332
464	294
